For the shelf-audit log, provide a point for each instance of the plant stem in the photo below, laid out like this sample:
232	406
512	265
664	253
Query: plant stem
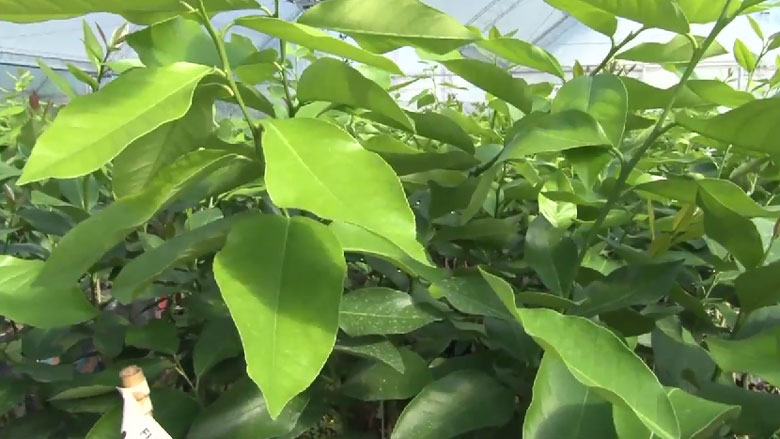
657	131
283	63
180	369
220	44
616	48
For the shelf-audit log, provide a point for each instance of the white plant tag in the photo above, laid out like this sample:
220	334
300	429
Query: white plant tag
135	424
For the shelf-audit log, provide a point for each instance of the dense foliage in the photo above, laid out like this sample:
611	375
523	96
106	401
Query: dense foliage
597	260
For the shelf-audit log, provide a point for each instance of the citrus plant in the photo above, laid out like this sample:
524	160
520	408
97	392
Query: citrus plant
291	246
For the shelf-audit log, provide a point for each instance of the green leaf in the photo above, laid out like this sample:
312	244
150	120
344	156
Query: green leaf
479	293
751	127
744	56
555	132
159	335
412	23
597	19
551	254
132	105
720	222
83	76
138	164
563	408
21	301
305	163
757	355
140	272
678	50
79	250
720	93
241	413
12	393
758	417
756	27
705	11
282	281
379	310
524	54
603	96
406	160
373	348
431	125
355	239
493	80
141	11
642	96
92	45
376	381
218	341
316	39
490	232
700	418
460	402
758	287
582	345
661	14
348	86
630	285
58	80
560	214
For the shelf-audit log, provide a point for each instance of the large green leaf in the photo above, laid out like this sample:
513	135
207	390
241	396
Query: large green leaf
82	140
630	285
140	10
551	254
563	408
282	280
139	273
493	80
376	381
379	310
597	19
643	96
661	14
752	127
478	292
758	287
720	93
603	96
440	127
757	355
242	413
625	380
306	159
348	86
700	418
139	163
79	249
720	222
27	304
317	40
458	403
678	50
523	53
555	132
411	23
705	11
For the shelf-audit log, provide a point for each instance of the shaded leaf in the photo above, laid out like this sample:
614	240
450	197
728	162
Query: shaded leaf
379	310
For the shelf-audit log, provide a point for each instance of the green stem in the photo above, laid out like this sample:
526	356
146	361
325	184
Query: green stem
283	62
616	48
658	131
220	44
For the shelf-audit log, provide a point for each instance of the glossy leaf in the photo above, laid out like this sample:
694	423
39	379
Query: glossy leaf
603	96
458	403
305	159
524	54
720	93
563	408
79	249
316	39
661	14
139	273
719	224
493	80
379	310
376	381
373	348
745	58
412	23
757	355
678	50
132	105
282	281
705	11
582	345
551	254
478	292
242	413
539	133
348	86
21	301
597	19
